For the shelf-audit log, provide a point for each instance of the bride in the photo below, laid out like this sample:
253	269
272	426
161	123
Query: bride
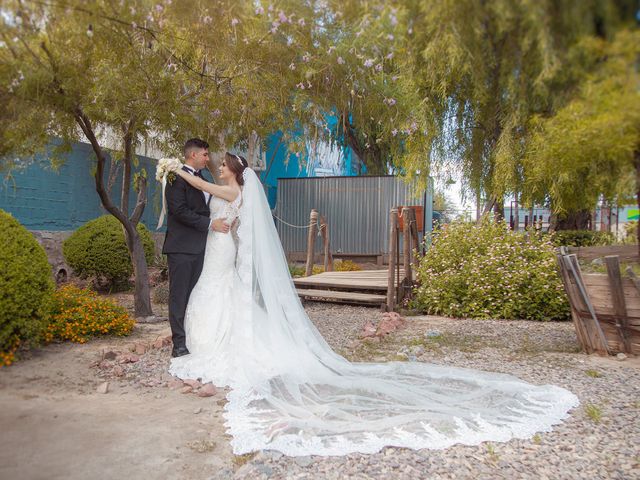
246	329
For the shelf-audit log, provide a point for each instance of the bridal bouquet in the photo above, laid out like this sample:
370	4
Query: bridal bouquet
166	173
166	169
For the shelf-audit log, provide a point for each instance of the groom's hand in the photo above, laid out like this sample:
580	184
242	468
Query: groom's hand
218	225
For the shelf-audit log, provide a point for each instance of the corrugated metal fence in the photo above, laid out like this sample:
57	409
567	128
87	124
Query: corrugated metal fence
356	210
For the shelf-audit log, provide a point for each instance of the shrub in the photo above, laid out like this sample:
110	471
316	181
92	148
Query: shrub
317	269
26	284
487	271
161	293
98	249
78	314
582	238
346	266
296	270
631	232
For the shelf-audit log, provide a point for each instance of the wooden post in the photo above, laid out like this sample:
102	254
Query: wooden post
311	240
598	340
406	242
617	297
414	234
328	258
393	251
574	303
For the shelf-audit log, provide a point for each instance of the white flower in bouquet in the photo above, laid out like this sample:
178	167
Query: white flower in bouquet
166	168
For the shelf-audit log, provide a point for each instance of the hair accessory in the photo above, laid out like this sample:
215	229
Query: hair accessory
244	164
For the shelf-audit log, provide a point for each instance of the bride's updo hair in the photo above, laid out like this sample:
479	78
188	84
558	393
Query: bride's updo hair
237	164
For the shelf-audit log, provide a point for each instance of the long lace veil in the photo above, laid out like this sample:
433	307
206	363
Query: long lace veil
294	394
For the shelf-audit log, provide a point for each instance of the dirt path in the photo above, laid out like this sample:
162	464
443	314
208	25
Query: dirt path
55	425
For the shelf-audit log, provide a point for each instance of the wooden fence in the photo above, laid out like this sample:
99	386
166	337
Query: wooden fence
605	308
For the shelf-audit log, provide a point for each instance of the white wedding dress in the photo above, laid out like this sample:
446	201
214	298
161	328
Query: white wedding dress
247	329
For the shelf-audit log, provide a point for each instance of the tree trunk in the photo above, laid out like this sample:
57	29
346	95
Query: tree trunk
578	220
516	215
142	295
636	157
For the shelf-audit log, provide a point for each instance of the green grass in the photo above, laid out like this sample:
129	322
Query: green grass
594	412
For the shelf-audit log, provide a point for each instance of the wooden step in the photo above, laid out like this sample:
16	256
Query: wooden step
342	297
359	280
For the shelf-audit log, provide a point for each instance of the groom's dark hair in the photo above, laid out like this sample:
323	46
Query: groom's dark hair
193	143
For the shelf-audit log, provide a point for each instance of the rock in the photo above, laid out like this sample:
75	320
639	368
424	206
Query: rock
597	262
192	383
186	389
105	365
151	319
304	461
621	356
264	469
273	454
110	355
207	390
417	350
139	348
128	358
103	387
175	384
390	322
118	371
432	334
197	410
369	330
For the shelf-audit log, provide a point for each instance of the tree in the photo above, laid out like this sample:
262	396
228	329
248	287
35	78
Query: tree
89	71
591	146
126	72
485	68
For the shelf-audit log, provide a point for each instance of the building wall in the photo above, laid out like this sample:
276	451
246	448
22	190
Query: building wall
41	198
356	210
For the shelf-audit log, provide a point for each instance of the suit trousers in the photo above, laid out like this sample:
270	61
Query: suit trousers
184	271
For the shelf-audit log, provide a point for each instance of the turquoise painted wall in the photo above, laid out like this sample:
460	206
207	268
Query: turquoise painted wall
43	199
293	168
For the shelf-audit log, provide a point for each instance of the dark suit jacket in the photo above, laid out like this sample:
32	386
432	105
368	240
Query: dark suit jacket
187	219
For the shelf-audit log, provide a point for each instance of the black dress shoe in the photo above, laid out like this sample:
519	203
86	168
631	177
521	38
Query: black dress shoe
179	352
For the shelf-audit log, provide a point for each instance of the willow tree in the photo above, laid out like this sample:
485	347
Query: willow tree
486	67
591	146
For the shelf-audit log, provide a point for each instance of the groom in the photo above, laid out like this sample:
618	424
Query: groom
187	225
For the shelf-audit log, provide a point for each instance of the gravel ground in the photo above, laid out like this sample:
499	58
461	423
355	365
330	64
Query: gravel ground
601	439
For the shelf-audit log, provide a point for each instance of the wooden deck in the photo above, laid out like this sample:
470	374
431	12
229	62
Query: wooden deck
365	287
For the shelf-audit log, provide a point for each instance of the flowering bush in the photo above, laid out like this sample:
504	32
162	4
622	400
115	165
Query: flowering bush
487	271
78	314
347	266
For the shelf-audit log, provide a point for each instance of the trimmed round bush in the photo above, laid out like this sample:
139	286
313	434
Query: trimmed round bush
488	271
98	249
26	284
